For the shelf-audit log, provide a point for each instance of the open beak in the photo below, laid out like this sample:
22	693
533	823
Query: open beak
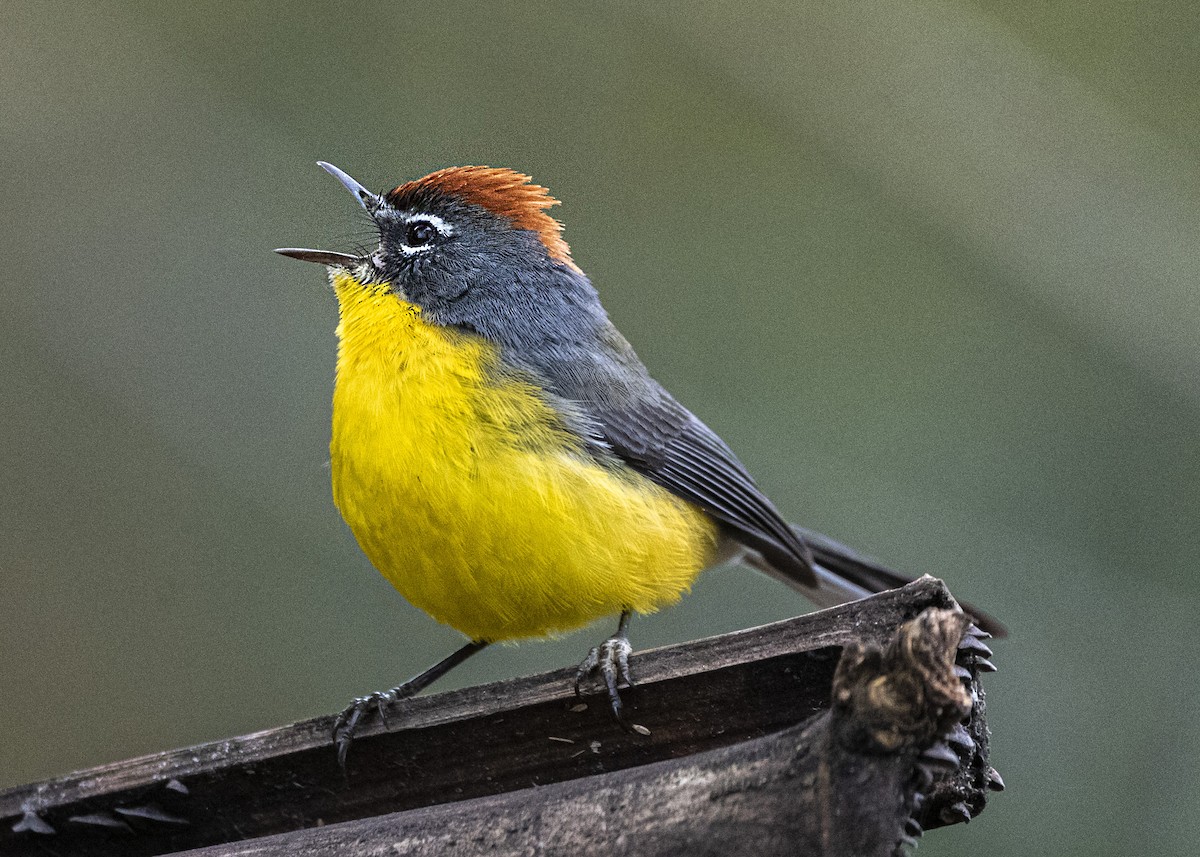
370	201
321	257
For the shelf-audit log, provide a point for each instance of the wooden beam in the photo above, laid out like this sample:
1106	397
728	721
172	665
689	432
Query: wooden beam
460	745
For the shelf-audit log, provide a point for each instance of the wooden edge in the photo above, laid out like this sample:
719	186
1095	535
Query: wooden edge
842	784
693	696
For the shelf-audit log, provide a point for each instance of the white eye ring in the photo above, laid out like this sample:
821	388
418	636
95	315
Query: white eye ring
443	228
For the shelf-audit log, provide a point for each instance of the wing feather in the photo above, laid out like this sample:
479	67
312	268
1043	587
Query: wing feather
606	396
671	446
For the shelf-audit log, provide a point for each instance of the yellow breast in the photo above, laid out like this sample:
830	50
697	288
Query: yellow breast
466	491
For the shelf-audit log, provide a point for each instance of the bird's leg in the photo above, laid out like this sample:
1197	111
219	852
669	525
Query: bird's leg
347	722
610	661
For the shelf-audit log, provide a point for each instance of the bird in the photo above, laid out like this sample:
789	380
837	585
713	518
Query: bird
505	459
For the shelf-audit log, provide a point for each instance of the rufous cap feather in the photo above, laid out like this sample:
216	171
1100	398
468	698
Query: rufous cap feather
501	191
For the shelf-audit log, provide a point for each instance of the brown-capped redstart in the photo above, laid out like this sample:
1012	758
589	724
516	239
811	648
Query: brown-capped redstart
502	455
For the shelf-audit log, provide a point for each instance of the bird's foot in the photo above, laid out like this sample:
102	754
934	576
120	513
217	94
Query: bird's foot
348	721
609	662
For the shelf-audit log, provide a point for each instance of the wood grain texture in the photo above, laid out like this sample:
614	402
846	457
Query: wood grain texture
461	745
843	784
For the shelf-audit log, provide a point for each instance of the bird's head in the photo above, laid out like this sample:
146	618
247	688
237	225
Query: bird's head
458	238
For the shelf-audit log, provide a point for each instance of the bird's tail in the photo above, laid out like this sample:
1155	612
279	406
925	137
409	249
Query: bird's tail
843	574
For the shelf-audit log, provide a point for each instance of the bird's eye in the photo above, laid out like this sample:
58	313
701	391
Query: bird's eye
418	233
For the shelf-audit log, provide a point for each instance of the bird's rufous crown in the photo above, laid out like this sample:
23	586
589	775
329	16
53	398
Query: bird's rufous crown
501	191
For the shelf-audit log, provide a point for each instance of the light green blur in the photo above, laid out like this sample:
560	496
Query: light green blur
930	268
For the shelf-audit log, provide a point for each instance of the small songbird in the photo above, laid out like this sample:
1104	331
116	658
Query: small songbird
502	455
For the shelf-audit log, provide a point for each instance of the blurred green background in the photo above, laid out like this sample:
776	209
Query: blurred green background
929	267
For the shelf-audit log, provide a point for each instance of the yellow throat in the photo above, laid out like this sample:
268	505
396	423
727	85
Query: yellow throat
467	492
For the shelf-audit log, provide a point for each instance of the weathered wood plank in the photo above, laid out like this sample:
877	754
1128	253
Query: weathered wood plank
844	784
453	746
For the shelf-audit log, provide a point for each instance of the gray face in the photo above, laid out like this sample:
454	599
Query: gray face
473	270
435	249
469	268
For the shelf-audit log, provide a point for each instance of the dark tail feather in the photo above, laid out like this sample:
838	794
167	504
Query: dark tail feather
841	563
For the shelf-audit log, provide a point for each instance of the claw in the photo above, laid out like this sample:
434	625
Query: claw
340	721
984	665
906	840
913	827
975	631
609	660
345	726
623	653
962	673
589	665
347	722
383	701
609	672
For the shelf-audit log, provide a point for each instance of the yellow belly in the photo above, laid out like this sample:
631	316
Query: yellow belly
470	497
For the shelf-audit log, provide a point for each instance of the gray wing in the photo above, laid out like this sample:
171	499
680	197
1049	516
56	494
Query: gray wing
664	441
605	394
609	398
